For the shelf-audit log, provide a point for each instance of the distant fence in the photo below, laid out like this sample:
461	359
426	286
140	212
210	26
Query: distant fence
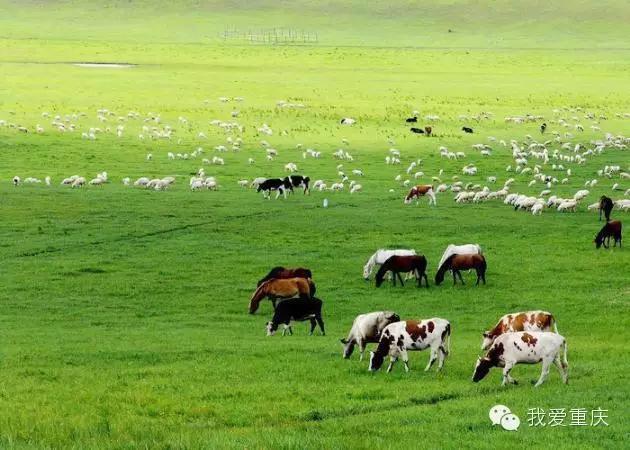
273	36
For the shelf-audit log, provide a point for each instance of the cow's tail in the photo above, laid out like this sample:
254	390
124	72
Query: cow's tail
565	361
446	340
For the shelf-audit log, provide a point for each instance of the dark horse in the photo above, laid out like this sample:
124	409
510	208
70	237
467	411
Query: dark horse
612	228
606	205
456	263
397	264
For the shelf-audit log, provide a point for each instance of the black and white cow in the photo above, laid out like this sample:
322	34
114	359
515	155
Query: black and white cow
298	181
275	184
399	337
296	309
525	347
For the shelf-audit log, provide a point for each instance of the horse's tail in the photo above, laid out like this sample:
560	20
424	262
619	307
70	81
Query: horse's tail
312	288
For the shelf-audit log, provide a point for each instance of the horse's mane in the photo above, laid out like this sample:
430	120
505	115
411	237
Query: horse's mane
271	274
380	274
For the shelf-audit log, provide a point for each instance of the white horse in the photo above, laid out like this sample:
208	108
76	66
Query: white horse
466	249
381	256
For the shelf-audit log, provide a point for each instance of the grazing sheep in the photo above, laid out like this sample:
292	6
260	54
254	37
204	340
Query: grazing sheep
243	183
356	188
78	182
568	205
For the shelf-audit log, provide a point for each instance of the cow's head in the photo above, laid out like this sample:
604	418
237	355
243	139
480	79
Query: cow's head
348	348
271	328
481	369
488	339
376	361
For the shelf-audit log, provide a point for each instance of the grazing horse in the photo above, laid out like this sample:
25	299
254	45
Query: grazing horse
382	255
419	191
283	272
397	264
612	228
605	204
281	289
456	263
463	249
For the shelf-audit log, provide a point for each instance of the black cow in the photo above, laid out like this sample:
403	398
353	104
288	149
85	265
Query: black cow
413	119
275	184
296	309
467	130
416	130
543	127
299	181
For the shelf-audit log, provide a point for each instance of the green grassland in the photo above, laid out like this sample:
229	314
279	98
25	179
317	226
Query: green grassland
124	310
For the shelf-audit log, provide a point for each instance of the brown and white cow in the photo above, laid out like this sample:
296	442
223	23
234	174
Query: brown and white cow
399	337
525	347
520	321
419	191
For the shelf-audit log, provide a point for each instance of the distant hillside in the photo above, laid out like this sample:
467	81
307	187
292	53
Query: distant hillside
472	23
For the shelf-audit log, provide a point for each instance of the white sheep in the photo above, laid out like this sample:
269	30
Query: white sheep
356	188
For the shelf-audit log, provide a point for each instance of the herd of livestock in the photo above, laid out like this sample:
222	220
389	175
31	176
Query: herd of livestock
526	337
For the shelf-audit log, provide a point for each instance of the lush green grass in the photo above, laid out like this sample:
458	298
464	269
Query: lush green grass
123	310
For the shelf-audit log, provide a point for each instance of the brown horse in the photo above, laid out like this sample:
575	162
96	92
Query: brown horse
281	289
456	263
397	264
283	272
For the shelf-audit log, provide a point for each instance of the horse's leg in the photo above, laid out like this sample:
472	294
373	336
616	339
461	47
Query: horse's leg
426	279
454	278
478	276
460	277
394	278
400	278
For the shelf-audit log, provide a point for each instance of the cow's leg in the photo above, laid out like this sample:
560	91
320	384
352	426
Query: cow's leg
400	278
405	358
441	356
320	322
478	277
432	359
313	323
546	363
562	368
460	277
506	373
362	344
394	278
392	360
426	279
284	193
454	278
